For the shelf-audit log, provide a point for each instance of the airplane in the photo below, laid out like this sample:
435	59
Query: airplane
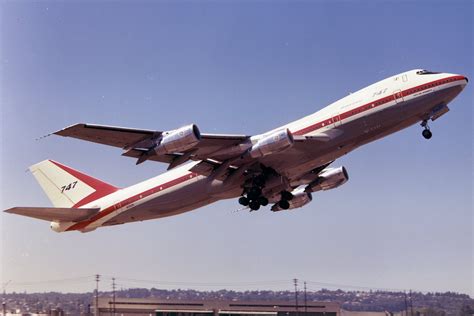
281	167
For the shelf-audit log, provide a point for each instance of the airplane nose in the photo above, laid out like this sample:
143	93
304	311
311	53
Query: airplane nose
464	84
462	77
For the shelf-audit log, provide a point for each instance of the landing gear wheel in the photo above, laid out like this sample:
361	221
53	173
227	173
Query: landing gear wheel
285	195
284	204
427	134
254	205
263	201
243	201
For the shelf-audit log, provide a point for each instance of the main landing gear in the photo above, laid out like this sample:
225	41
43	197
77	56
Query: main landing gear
426	132
254	203
254	198
285	197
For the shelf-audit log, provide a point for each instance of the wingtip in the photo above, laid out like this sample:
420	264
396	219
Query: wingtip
10	210
62	131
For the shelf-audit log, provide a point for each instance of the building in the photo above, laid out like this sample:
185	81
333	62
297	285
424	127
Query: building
162	307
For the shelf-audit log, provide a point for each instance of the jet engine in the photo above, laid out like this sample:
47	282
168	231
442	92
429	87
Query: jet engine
329	179
300	199
272	143
179	140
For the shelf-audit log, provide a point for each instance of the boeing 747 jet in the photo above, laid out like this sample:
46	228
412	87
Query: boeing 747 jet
282	167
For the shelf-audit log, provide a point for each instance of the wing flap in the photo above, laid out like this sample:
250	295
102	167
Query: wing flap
204	168
218	170
137	153
59	214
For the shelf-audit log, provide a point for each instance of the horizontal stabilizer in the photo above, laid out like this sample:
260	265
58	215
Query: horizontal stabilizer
58	214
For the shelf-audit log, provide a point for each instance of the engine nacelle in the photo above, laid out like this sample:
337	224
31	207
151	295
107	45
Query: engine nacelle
179	140
272	143
328	179
300	199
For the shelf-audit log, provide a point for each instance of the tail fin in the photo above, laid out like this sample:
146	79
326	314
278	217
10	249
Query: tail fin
66	187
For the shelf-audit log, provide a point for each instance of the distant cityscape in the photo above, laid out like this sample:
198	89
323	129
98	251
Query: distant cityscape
427	304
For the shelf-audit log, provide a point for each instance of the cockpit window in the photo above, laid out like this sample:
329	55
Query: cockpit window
426	72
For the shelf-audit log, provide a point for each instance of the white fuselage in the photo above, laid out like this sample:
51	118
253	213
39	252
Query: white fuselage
373	112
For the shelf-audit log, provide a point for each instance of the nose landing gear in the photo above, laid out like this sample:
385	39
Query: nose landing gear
426	132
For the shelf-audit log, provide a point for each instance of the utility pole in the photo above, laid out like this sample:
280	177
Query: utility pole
305	299
411	304
96	308
295	281
113	296
5	287
406	304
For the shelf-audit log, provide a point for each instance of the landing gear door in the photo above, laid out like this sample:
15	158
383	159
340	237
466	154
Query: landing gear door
398	96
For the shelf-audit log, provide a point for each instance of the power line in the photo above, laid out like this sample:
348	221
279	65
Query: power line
354	286
204	283
191	284
65	280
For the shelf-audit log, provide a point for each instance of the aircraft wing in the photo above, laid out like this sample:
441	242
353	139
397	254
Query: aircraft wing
123	136
213	150
129	138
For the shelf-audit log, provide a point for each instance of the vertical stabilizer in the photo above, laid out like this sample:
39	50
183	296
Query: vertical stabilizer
66	187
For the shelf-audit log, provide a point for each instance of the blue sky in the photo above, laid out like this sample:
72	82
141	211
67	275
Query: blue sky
404	220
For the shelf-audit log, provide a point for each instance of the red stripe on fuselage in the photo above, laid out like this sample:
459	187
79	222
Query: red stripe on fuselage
132	199
374	104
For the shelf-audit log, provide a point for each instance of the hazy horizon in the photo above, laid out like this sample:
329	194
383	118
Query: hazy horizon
105	286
